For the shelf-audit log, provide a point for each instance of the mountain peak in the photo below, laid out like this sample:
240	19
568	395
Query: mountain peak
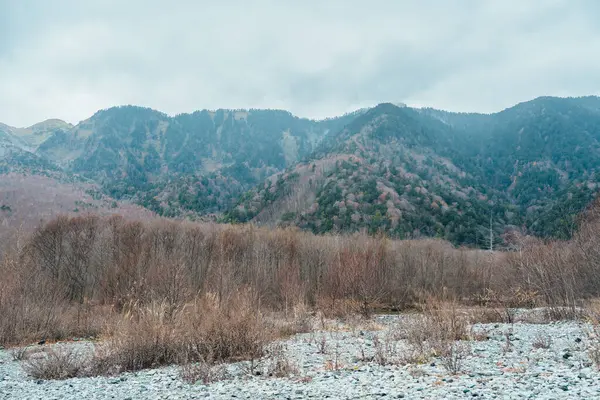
6	128
129	111
388	106
52	123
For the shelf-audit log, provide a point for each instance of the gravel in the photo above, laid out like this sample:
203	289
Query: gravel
492	370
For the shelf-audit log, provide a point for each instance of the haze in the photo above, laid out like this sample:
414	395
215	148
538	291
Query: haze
67	59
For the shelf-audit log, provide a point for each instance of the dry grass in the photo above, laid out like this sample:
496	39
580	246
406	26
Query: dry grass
57	363
593	334
280	366
144	339
479	335
55	282
385	350
594	354
301	322
20	353
204	331
542	342
441	331
202	372
570	313
489	315
452	355
162	292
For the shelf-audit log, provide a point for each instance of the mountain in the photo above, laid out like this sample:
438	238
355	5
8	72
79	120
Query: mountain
37	134
412	172
187	164
544	154
403	171
16	155
33	188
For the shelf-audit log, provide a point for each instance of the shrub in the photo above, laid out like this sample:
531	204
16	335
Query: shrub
479	335
280	365
593	339
19	353
439	332
452	355
490	315
542	342
165	292
202	372
76	272
385	350
204	331
143	338
57	363
295	327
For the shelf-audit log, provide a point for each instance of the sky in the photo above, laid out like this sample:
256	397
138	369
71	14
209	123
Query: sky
69	58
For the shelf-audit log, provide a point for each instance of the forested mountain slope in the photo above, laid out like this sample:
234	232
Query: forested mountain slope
403	171
196	163
412	172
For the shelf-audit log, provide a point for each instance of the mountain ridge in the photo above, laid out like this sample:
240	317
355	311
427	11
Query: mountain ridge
390	168
468	161
593	99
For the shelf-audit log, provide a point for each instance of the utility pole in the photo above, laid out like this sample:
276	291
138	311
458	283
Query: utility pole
491	234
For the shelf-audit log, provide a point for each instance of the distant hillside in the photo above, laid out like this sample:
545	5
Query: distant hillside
27	200
17	155
411	172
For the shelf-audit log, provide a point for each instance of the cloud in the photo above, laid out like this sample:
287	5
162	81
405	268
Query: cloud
68	58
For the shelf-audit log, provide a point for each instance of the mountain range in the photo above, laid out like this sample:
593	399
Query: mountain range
406	172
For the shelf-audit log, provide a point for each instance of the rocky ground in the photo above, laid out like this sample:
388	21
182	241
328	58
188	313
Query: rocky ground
509	361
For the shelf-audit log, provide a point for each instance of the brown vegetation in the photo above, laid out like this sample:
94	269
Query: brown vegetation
202	372
60	363
440	331
162	292
74	266
28	199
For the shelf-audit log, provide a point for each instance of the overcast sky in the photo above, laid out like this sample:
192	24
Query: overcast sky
67	59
